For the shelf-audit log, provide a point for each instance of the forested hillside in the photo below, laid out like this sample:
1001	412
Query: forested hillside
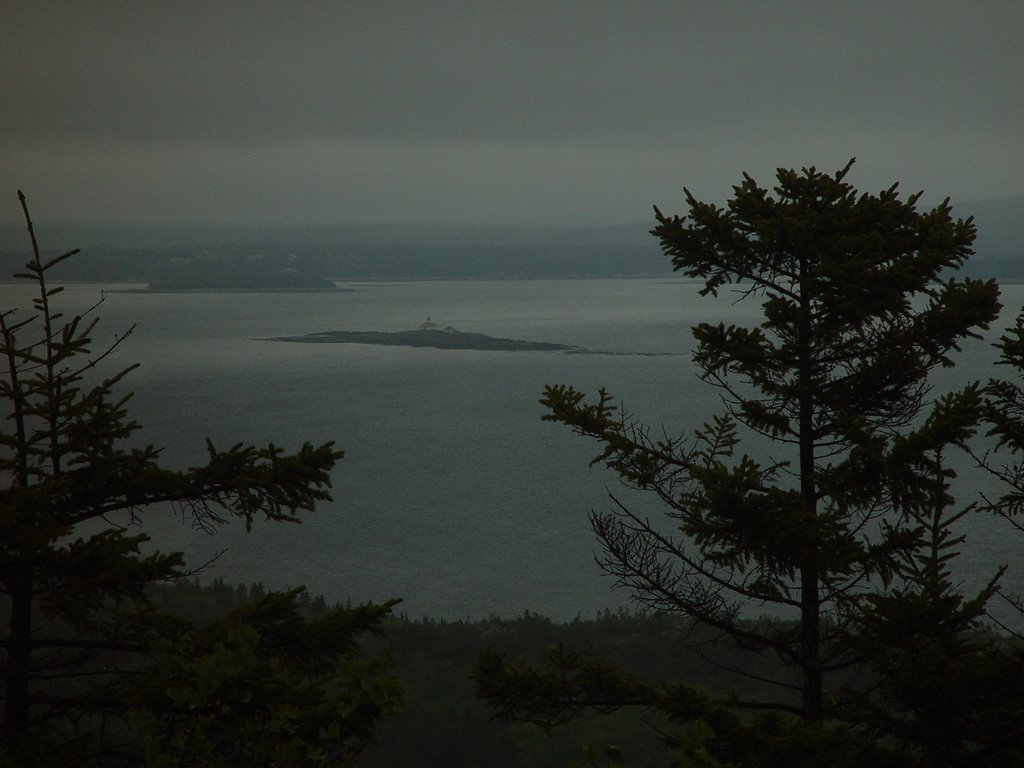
309	258
444	725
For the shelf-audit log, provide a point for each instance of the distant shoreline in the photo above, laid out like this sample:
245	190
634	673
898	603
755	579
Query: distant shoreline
232	290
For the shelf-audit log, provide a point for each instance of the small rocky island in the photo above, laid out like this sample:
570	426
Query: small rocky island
448	338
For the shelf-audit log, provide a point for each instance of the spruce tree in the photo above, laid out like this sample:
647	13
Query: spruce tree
1004	415
860	303
74	568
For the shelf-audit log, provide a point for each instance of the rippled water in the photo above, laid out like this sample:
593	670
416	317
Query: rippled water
453	494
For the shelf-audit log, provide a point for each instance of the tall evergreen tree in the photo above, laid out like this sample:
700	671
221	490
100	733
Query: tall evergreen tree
860	304
1004	414
947	689
74	573
951	690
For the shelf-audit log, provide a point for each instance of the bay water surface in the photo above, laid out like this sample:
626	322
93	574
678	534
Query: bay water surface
453	494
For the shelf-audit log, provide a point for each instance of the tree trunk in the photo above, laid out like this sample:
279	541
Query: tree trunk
813	703
19	649
810	601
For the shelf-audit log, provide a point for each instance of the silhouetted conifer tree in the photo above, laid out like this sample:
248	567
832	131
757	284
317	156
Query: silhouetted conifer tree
83	645
859	305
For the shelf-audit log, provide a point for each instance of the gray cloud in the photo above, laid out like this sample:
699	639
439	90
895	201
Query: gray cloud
440	110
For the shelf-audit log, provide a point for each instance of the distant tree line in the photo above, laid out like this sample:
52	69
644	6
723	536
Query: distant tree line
234	268
255	268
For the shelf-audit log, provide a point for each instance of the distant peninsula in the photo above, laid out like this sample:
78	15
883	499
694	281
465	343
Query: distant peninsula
429	337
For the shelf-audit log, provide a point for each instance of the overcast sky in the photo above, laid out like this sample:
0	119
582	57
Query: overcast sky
493	112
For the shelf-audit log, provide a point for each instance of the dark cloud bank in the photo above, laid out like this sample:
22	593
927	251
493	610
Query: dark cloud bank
533	113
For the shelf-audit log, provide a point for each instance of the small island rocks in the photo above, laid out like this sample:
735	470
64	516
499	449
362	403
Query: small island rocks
429	337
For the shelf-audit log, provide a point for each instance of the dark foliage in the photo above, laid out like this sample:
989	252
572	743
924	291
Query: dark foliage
83	639
842	521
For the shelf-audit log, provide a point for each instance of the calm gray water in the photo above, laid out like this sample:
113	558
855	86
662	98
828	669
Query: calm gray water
453	494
